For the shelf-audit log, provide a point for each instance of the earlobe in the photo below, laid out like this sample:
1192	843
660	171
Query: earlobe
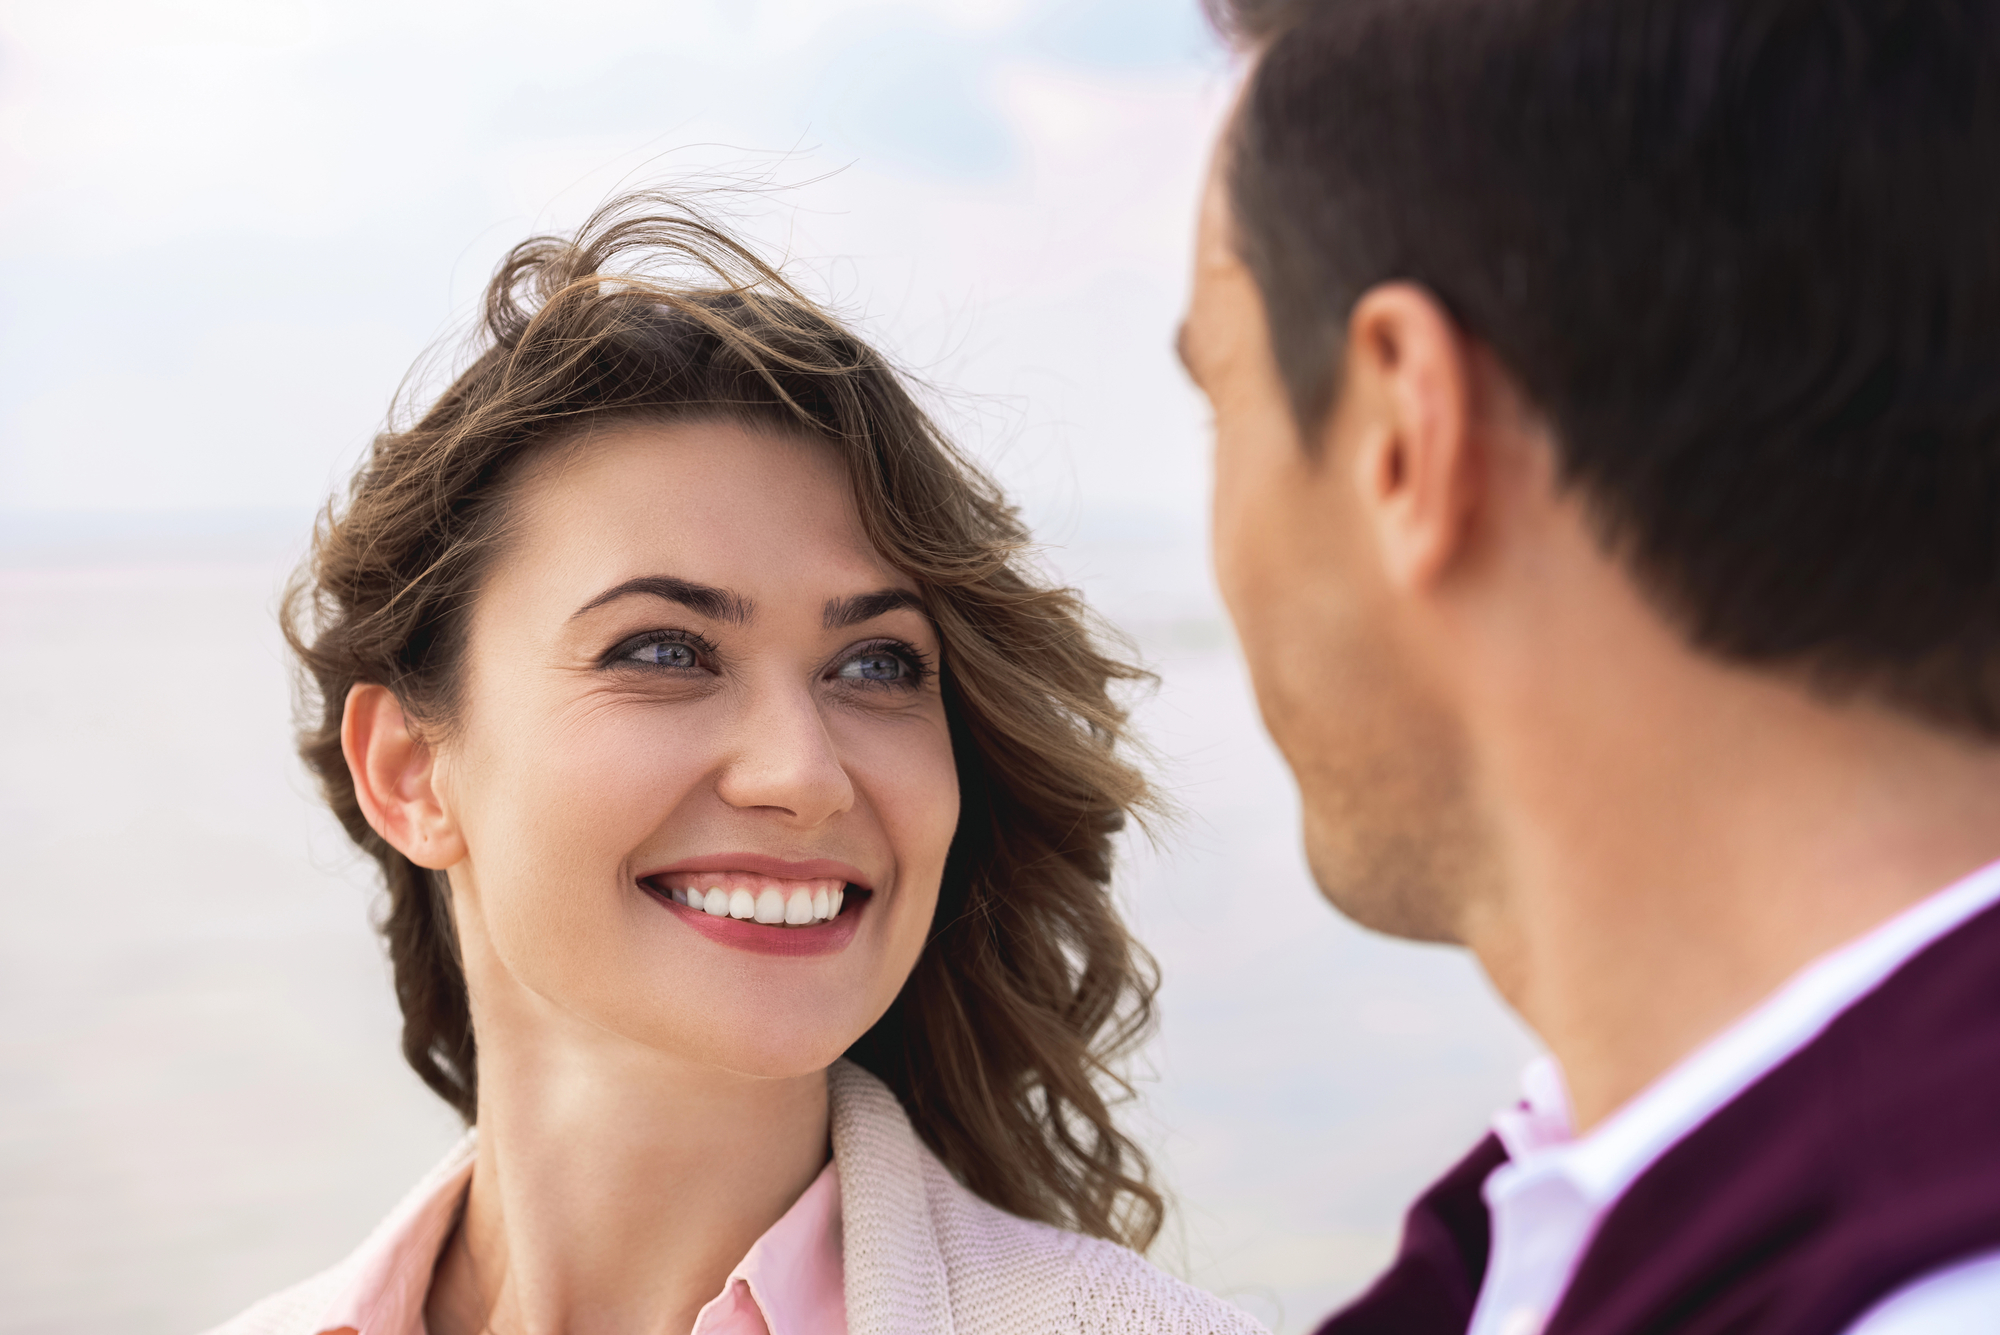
394	774
1407	366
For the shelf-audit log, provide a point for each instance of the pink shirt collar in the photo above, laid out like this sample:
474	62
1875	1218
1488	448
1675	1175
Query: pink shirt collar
790	1282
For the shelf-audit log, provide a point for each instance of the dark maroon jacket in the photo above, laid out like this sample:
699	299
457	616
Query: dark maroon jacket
1867	1159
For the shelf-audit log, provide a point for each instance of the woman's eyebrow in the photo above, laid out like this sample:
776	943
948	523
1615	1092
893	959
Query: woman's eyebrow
705	599
844	612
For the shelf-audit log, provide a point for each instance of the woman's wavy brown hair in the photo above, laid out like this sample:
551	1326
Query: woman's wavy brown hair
1001	1045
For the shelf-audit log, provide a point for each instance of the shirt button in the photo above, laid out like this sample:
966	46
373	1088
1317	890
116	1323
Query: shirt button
1521	1321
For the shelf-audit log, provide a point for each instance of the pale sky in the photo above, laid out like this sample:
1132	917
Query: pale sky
227	227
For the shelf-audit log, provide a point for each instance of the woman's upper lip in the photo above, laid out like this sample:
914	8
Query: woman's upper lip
762	864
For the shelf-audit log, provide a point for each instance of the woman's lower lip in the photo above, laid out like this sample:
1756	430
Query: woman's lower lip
758	938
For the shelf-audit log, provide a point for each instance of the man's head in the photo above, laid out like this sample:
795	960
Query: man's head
1498	296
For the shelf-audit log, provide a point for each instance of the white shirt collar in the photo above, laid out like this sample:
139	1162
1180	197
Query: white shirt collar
1546	1200
1607	1161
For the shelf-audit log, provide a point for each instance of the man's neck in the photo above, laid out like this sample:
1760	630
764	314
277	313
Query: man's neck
1701	848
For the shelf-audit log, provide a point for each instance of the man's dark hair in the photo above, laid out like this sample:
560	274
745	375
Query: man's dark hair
1744	255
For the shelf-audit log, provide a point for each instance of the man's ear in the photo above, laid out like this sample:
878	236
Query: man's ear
394	779
1409	375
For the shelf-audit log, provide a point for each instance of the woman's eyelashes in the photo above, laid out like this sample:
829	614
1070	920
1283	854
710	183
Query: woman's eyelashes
883	663
672	650
880	663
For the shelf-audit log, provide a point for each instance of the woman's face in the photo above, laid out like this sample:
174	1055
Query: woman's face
701	768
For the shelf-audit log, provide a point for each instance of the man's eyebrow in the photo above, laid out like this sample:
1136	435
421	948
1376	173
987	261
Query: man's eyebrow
844	612
705	599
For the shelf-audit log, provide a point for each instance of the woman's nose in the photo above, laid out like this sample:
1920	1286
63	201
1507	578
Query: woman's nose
784	760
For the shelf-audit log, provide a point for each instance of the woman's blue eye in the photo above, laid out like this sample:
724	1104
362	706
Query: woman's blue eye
666	653
875	667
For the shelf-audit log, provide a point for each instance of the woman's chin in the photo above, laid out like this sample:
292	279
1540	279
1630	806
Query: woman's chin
776	1056
774	1043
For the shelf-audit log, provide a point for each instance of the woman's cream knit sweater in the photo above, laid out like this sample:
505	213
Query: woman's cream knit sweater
922	1255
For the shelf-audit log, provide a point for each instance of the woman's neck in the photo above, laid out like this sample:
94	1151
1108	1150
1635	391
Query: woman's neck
615	1189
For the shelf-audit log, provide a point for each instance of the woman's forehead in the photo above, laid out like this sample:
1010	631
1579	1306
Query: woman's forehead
760	512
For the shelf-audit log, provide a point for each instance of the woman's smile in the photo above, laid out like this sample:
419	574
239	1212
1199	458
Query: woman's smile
749	897
761	914
768	905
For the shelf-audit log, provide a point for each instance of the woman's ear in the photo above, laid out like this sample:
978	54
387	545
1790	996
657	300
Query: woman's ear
394	779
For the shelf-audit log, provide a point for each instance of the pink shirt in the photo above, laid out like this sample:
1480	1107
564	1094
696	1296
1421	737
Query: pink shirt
789	1283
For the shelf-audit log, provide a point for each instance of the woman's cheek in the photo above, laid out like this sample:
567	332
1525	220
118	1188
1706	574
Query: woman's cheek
916	785
565	807
619	771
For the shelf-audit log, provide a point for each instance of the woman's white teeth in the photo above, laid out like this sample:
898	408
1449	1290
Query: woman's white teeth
755	899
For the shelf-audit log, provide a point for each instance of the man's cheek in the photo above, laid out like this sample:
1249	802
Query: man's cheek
1234	508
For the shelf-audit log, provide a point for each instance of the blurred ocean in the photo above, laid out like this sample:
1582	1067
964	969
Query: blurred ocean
198	1069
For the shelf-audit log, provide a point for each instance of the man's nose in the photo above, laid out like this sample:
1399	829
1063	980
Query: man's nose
784	760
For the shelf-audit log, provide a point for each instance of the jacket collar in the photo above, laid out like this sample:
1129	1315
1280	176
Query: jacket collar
896	1279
